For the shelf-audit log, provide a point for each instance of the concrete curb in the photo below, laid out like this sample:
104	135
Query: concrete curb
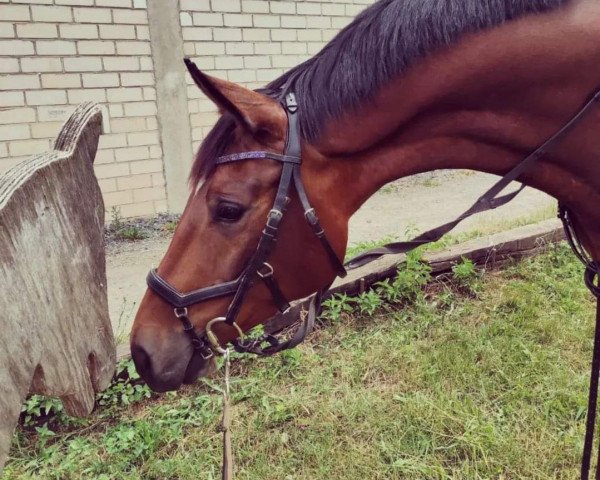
489	251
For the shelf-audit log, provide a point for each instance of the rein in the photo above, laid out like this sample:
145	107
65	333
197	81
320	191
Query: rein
592	281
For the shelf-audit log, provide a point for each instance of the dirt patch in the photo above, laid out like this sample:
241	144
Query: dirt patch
398	210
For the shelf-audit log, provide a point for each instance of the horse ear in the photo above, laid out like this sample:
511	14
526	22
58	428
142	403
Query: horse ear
253	111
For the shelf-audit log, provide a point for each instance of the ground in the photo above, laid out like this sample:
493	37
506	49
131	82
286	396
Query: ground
409	205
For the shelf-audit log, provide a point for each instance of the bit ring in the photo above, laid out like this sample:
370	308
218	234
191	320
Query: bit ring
212	338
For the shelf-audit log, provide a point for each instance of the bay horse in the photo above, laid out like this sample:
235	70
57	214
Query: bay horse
407	87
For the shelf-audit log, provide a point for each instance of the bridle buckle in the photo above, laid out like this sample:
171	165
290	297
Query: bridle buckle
180	312
274	215
311	216
268	273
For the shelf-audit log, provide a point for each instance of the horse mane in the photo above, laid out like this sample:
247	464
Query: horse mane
381	43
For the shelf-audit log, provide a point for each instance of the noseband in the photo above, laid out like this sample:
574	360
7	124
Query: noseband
257	267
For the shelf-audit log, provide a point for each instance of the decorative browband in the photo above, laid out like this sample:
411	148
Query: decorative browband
234	157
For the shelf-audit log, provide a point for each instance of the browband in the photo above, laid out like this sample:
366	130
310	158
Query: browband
235	157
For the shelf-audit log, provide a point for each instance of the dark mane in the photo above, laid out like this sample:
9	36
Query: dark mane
382	42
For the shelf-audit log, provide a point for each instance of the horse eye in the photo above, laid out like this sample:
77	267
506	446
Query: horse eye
229	212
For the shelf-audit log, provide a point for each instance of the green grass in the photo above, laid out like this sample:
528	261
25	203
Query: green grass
473	377
546	212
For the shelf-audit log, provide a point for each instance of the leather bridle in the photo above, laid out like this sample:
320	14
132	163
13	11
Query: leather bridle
258	266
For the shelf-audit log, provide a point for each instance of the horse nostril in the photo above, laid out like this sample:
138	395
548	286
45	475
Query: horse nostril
142	361
161	363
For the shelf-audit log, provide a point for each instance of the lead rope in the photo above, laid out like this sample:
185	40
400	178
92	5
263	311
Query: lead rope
227	469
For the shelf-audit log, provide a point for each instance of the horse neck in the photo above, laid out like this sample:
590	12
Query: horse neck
483	107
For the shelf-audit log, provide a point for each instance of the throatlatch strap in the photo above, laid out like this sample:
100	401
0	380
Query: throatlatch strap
313	221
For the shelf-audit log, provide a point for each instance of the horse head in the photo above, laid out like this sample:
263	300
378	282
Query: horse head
220	229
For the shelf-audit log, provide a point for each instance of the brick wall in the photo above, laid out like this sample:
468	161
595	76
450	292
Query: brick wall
55	54
58	53
254	41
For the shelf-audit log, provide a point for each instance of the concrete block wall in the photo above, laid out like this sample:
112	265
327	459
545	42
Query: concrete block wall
55	54
252	42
